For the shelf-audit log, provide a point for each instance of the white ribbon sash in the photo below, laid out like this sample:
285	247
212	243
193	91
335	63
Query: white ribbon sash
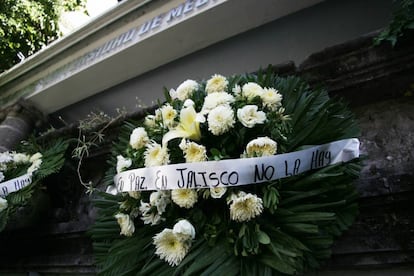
235	172
15	184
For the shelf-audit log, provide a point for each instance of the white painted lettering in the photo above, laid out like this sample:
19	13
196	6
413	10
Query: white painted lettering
174	13
188	6
144	28
156	22
200	3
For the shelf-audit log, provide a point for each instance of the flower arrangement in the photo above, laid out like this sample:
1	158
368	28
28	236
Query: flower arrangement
21	172
218	221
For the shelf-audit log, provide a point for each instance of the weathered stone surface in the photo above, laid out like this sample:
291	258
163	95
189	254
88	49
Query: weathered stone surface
12	130
16	123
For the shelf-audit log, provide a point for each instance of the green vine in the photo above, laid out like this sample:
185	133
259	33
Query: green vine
402	20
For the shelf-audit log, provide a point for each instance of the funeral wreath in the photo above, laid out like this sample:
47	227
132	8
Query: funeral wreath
243	175
22	172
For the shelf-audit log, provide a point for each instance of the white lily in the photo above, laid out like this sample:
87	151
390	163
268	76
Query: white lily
189	126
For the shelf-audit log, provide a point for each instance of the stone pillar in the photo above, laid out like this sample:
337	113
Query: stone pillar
16	125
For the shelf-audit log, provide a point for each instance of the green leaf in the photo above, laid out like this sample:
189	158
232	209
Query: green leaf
208	256
277	264
301	228
263	238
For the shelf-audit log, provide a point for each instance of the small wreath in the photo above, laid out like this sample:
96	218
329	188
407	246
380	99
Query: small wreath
21	172
150	225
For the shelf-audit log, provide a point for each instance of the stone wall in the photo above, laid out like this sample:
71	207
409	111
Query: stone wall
378	83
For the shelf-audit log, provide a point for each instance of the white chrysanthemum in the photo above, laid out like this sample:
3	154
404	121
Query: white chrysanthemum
171	247
244	207
168	115
126	224
3	204
156	155
122	163
220	120
249	116
160	199
5	157
193	152
138	138
217	192
2	177
35	157
184	227
35	166
184	90
271	98
149	215
216	99
217	83
21	158
262	146
185	198
251	90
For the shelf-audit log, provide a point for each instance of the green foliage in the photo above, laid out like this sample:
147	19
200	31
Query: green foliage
402	21
26	26
303	214
53	153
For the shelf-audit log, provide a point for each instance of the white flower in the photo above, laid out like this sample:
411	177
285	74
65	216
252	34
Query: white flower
21	158
188	103
145	207
217	83
216	99
220	120
171	247
138	138
122	163
150	121
35	157
244	207
184	90
189	126
185	198
262	146
156	155
168	115
217	192
193	152
149	216
271	98
160	199
126	224
249	116
1	176
184	227
5	157
236	90
251	90
35	166
158	115
152	218
3	204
